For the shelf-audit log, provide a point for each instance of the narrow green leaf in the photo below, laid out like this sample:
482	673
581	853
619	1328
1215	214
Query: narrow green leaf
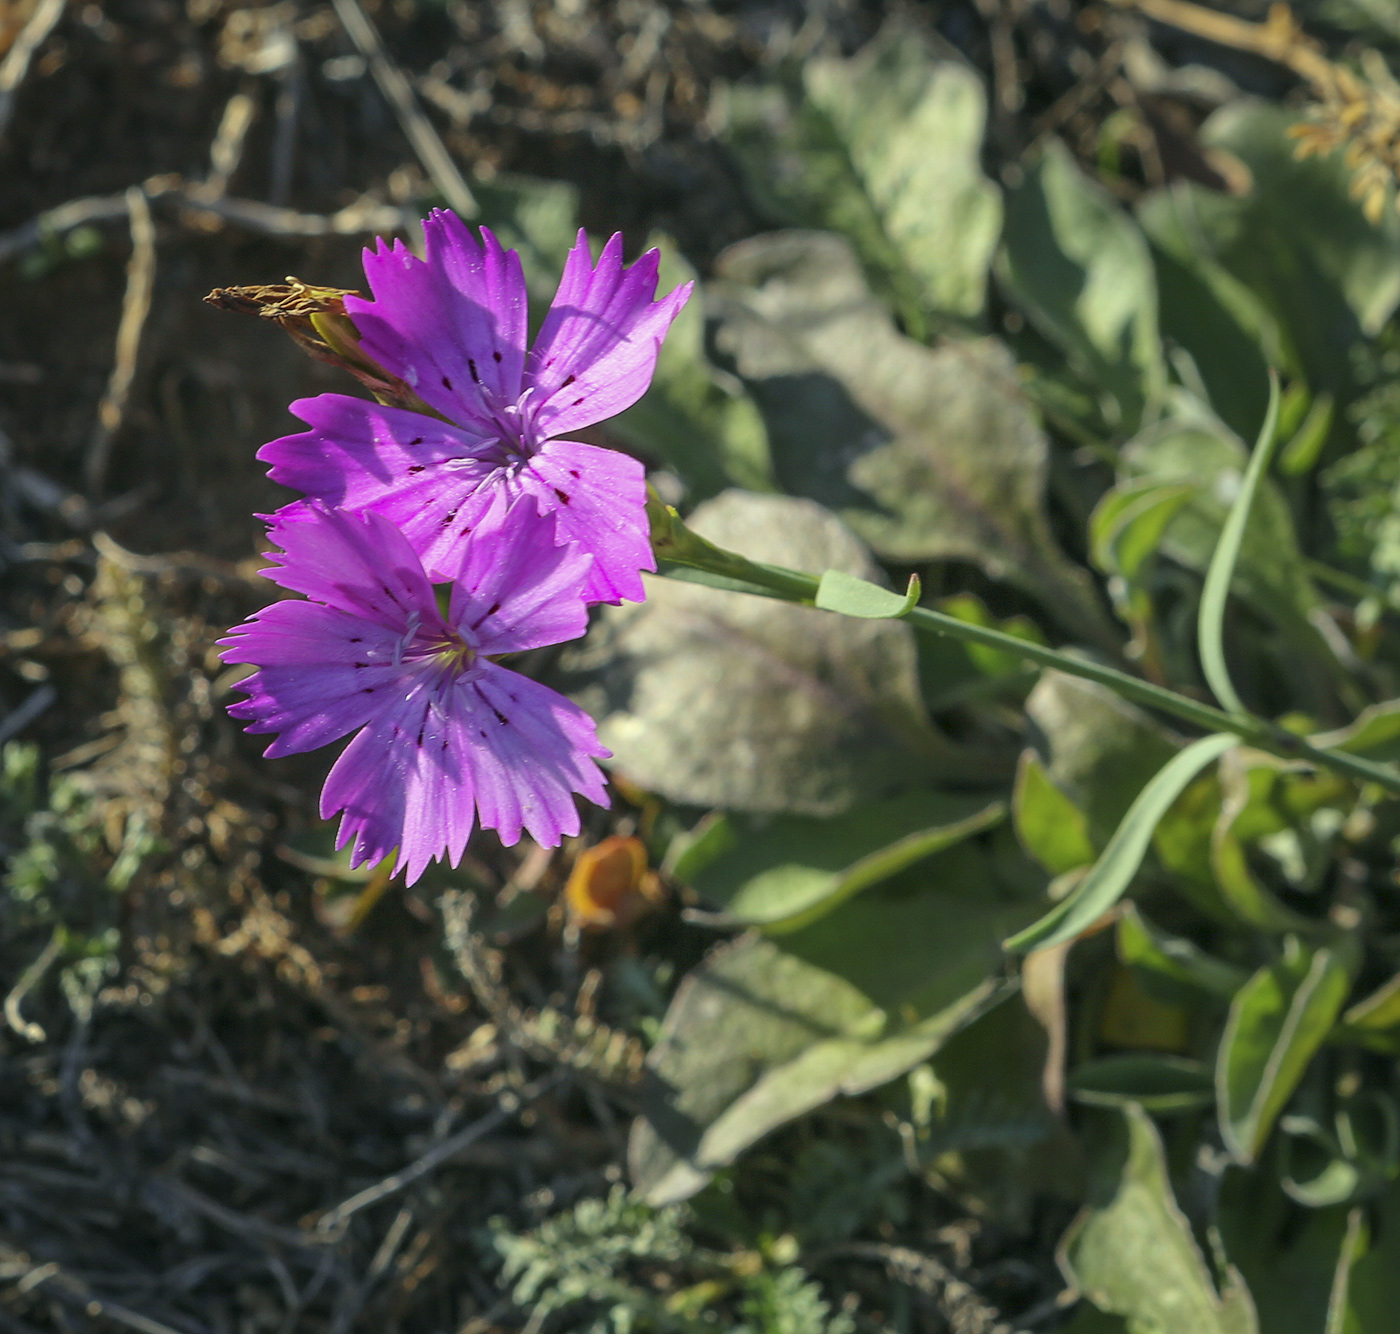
1379	1010
1375	733
1301	452
1278	1020
1143	945
1111	875
1159	1084
844	593
1340	1319
1374	1021
1216	592
795	869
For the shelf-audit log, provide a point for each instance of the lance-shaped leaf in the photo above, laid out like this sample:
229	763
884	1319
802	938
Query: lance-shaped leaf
1216	592
1375	733
886	148
1158	1083
1110	876
1128	524
1080	269
929	454
790	870
1374	1021
1134	1255
1278	1020
1270	572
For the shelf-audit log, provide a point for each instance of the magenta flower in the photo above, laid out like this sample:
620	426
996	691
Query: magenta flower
443	734
453	327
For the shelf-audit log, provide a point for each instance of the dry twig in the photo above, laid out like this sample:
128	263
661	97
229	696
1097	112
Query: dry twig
357	219
433	154
16	64
332	1223
226	152
52	1279
28	980
136	305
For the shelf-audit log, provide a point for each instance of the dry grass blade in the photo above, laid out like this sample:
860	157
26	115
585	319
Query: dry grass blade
433	154
28	980
16	63
136	306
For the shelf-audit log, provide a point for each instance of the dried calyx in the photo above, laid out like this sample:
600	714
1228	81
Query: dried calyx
315	319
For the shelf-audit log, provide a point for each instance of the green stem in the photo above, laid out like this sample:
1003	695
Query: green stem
680	550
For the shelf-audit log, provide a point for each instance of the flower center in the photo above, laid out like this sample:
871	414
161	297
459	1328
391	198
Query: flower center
455	656
445	652
514	421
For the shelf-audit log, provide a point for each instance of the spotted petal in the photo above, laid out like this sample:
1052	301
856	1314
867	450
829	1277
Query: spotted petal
357	563
598	498
492	742
453	325
596	351
358	453
323	674
403	783
432	481
516	588
535	752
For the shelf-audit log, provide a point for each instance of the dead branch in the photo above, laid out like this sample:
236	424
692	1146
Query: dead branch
136	306
16	64
432	153
332	1222
364	216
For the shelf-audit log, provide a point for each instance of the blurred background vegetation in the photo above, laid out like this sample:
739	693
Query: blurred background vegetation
989	293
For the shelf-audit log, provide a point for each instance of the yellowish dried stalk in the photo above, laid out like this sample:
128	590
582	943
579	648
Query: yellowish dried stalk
1357	113
1361	117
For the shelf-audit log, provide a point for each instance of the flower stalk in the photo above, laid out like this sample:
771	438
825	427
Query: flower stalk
679	551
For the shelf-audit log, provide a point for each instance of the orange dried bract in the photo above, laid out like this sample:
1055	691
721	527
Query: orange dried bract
610	885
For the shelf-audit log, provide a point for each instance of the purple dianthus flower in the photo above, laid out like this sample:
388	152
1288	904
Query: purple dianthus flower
453	327
443	734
